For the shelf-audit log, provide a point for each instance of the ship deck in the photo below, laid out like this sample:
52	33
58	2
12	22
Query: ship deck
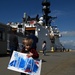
57	63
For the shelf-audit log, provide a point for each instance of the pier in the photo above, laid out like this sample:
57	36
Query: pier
57	63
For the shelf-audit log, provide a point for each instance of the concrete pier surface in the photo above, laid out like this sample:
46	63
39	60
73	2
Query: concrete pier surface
57	63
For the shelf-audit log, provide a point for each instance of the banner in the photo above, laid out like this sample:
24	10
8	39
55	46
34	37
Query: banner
21	63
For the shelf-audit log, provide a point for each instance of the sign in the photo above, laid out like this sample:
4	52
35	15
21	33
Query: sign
21	63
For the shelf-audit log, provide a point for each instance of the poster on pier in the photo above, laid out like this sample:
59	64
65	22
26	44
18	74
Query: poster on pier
21	63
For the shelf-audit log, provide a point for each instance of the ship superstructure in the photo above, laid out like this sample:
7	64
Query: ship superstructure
50	34
40	26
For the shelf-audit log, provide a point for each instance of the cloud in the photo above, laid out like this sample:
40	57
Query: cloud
68	33
57	13
68	39
69	44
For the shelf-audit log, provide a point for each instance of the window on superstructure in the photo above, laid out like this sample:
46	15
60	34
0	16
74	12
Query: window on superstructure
19	26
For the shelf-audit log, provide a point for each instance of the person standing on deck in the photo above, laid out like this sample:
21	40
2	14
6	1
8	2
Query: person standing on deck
44	47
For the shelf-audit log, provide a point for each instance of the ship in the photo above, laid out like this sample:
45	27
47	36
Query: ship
42	32
50	34
40	27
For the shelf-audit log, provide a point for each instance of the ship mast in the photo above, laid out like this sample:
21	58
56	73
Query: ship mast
48	19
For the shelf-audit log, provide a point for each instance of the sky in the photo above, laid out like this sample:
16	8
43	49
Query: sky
13	10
